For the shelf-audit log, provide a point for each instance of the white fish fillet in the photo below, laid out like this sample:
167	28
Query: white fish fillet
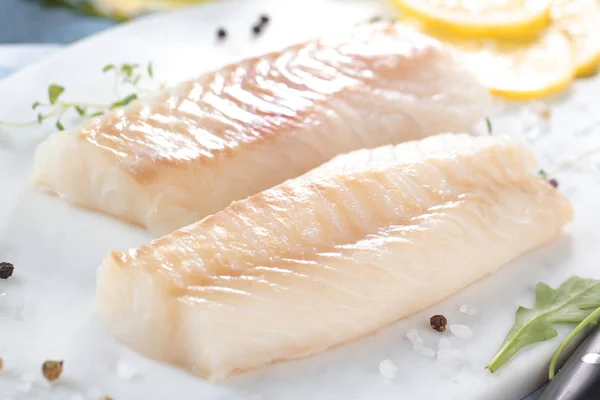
169	161
369	238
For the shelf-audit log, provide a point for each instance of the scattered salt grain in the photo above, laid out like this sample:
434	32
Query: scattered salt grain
93	394
414	337
444	344
19	314
24	387
77	396
461	331
388	369
451	356
424	350
28	377
125	372
451	361
468	309
42	383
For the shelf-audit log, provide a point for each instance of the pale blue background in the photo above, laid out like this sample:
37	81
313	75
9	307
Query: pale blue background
25	21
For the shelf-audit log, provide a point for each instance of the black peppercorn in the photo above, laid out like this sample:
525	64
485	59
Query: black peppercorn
438	323
6	270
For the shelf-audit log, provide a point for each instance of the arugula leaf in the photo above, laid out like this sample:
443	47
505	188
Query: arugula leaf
150	70
571	302
128	69
54	92
108	67
35	105
80	110
591	319
59	125
124	102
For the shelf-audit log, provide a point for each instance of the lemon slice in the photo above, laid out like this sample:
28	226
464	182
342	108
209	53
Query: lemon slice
131	8
522	71
580	21
481	18
515	69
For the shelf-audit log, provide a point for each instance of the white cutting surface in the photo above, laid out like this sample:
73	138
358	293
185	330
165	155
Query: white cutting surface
47	307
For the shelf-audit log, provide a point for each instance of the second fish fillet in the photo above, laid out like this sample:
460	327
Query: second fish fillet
369	238
188	152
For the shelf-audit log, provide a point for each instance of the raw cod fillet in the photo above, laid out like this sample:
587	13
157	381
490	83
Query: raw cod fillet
169	161
323	259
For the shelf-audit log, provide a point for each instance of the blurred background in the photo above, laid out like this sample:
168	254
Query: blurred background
32	29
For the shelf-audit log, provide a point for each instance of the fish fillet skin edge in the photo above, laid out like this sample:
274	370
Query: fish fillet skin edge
187	152
362	241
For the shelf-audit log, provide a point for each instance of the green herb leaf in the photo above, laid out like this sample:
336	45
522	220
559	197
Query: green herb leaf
124	102
40	118
150	70
136	80
108	67
59	125
54	92
128	69
488	123
35	105
80	110
571	302
97	113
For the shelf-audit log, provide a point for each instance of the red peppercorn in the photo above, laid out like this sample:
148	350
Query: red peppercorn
264	19
553	182
221	33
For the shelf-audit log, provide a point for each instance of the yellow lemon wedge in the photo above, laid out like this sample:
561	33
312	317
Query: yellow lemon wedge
580	21
515	69
481	18
132	8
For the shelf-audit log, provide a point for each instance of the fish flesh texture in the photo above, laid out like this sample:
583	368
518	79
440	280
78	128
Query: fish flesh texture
190	151
317	261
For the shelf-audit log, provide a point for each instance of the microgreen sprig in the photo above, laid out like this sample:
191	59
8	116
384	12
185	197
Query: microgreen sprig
129	75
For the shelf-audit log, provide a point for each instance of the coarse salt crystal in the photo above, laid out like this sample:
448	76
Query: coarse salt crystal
468	309
94	394
461	331
28	377
24	387
124	371
77	396
414	337
451	358
424	350
43	383
388	369
451	355
19	314
451	361
444	344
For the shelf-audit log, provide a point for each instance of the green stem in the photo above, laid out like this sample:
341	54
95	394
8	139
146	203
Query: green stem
88	105
18	124
568	164
590	319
